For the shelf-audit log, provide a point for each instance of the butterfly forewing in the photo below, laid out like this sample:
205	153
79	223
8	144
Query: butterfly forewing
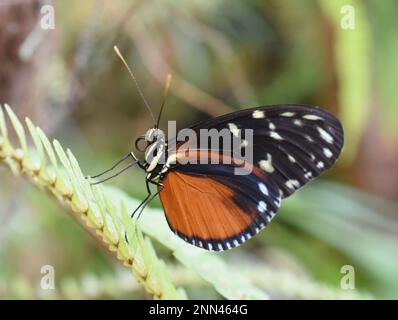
292	143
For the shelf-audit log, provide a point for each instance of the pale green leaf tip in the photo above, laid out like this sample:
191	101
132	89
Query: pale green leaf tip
17	125
3	127
47	146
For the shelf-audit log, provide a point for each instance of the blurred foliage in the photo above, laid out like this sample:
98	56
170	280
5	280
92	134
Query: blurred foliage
352	56
224	55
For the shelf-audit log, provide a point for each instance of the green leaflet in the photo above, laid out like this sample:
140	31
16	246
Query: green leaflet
58	171
225	279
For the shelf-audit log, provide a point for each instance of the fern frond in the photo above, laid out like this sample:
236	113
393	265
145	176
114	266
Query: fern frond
49	167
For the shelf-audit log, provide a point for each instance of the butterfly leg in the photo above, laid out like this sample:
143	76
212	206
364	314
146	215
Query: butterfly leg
146	201
143	204
149	193
158	184
148	198
139	206
130	154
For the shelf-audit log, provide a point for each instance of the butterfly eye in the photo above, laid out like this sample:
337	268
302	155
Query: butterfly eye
141	143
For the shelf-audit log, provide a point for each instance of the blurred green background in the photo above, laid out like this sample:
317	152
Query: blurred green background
224	55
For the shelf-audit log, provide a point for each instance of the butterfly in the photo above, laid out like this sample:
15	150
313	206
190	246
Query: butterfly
207	204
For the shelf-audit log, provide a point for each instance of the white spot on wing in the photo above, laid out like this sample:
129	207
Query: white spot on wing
272	126
258	114
312	117
291	159
272	214
308	175
287	114
275	135
291	184
172	159
320	165
298	122
327	152
309	138
266	165
325	135
234	129
262	206
263	188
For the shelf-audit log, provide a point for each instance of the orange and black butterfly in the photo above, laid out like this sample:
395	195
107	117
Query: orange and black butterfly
207	204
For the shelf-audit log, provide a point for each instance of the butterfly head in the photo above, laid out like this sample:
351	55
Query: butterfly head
153	143
153	135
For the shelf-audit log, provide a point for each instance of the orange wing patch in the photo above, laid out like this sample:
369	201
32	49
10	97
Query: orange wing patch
202	211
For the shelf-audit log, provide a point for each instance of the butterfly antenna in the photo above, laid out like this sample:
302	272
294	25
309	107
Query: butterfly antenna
165	93
135	81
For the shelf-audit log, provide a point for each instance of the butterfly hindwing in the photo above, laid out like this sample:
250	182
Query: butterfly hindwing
206	205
